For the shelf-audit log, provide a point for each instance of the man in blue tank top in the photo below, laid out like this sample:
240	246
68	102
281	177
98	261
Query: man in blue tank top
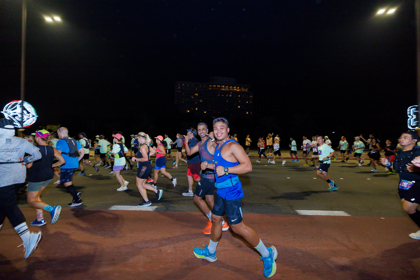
230	160
205	188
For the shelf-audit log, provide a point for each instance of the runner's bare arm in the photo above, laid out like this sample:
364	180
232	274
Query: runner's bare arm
236	153
189	150
59	157
81	153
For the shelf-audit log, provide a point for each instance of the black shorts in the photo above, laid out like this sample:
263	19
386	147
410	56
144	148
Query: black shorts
411	195
314	153
205	187
168	151
232	209
144	170
293	152
277	153
102	155
269	147
97	152
343	151
305	152
374	156
66	175
323	167
180	150
261	151
86	156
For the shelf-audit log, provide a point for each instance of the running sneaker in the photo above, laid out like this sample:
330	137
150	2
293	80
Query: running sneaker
111	172
109	166
150	180
331	184
55	214
225	227
415	235
305	164
360	164
297	161
293	160
176	166
159	194
174	163
362	161
145	204
37	223
205	254
96	168
105	166
174	182
31	244
207	229
57	182
189	193
269	160
126	183
386	169
126	167
374	170
333	188
347	158
155	186
75	203
258	161
270	266
283	163
122	188
391	173
81	174
273	162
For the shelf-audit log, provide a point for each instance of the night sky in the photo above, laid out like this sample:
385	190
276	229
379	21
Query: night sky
314	66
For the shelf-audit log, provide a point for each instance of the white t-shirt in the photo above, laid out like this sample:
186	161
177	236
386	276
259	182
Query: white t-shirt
306	144
118	161
276	146
324	151
104	146
314	146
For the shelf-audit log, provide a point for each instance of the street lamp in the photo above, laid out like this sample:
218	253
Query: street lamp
386	11
52	19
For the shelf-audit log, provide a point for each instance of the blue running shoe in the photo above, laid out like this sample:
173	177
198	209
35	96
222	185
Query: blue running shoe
55	214
297	161
331	184
270	266
293	160
333	188
205	254
37	223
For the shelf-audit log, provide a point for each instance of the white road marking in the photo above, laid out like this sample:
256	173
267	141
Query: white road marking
133	208
321	213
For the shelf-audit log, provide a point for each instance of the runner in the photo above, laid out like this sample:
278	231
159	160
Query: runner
143	158
293	150
247	144
277	150
53	143
97	150
72	152
306	146
374	154
40	174
160	164
168	146
205	188
118	152
358	147
269	142
315	156
194	166
179	144
406	164
230	160
13	174
84	142
133	138
261	149
325	153
342	145
103	150
390	156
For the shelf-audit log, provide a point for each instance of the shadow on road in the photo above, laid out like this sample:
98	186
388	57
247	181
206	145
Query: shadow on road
297	195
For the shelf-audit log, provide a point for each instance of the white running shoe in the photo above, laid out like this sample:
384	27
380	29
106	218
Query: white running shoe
122	188
32	243
188	194
126	183
57	183
174	182
258	161
273	162
283	163
374	170
268	160
111	172
415	235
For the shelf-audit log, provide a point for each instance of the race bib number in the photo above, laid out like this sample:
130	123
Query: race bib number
406	185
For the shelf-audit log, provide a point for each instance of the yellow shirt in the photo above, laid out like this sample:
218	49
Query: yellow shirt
247	141
270	141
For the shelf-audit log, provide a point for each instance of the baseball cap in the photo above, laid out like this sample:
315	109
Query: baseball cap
160	137
326	136
357	137
97	136
117	136
42	133
193	131
6	124
83	134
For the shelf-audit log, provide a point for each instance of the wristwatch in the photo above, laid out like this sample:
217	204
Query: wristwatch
226	170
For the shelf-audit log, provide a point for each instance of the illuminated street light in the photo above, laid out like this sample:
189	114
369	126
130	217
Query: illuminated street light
381	11
56	18
48	19
391	11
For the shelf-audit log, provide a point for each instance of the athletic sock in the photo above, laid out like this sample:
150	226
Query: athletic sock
154	185
262	249
328	181
415	217
72	190
209	215
212	246
23	231
48	208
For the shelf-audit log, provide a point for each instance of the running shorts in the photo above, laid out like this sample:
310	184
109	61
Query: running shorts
357	155
374	156
323	167
160	163
85	156
144	170
411	195
232	209
277	153
66	175
205	187
194	170
36	186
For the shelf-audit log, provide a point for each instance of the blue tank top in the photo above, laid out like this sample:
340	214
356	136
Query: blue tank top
206	156
235	191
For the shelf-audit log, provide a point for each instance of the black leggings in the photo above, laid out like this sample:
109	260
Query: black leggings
9	207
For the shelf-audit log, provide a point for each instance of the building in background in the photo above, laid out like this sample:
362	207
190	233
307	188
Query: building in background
219	97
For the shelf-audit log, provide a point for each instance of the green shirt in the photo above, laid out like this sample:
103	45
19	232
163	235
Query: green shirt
343	145
358	147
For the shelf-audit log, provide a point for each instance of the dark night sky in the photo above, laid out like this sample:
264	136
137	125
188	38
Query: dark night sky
314	66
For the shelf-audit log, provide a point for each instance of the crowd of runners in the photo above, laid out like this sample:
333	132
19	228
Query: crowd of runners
214	160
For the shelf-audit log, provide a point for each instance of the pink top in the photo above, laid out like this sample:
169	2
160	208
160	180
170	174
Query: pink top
159	155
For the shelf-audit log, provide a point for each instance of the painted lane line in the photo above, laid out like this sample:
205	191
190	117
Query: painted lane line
321	213
133	208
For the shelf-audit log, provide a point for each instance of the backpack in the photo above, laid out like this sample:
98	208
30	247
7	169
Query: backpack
121	152
72	146
87	144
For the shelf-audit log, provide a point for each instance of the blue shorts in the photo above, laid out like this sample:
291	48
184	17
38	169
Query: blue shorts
205	187
232	209
231	193
160	163
66	175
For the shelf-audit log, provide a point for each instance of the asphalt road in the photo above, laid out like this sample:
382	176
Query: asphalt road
269	189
